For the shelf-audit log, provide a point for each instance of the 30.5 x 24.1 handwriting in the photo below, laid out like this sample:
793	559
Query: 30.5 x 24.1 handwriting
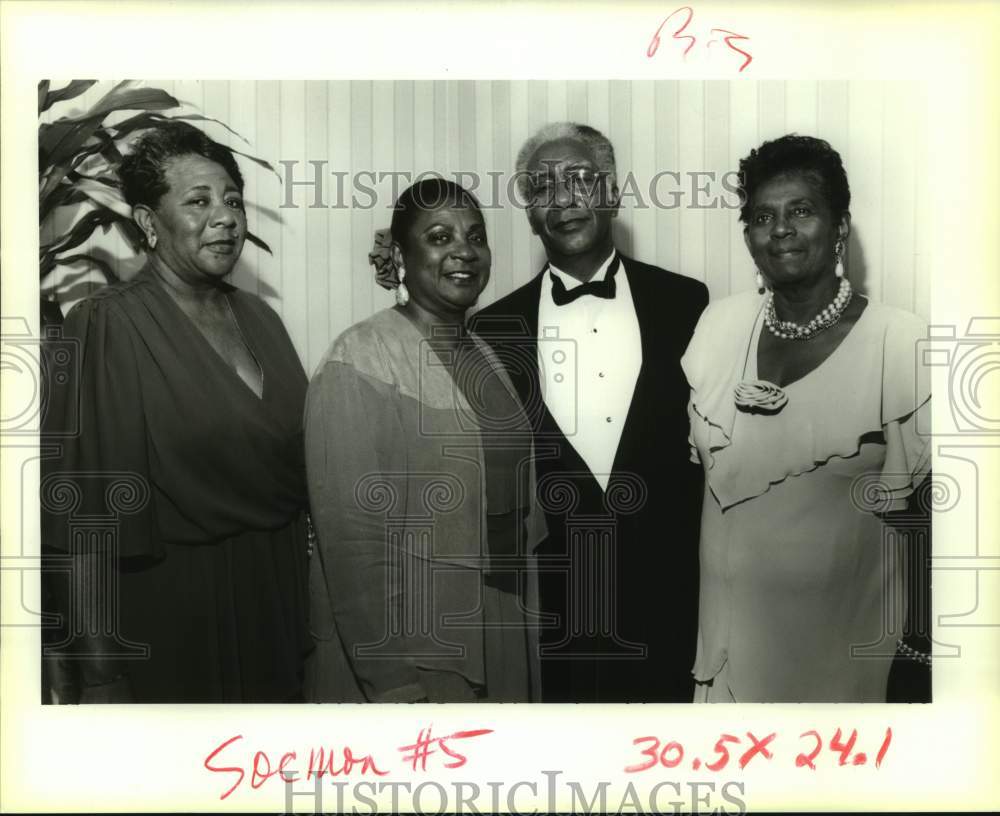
758	749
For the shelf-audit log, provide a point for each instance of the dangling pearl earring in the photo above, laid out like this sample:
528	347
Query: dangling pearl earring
760	283
402	293
839	250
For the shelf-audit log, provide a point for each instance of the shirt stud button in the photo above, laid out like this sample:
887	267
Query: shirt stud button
608	419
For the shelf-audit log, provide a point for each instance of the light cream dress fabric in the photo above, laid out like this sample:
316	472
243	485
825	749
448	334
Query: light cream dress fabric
801	593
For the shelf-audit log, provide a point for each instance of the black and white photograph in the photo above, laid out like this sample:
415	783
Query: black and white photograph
507	454
609	395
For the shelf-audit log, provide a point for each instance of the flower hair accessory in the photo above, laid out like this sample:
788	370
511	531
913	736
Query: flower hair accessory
386	274
759	397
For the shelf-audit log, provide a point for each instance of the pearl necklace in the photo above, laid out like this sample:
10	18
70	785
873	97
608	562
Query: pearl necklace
789	330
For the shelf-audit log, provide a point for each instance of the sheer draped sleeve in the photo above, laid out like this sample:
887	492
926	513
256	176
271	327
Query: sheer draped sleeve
96	416
351	429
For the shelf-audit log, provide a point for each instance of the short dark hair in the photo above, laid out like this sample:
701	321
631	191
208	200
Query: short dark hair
142	170
794	154
427	194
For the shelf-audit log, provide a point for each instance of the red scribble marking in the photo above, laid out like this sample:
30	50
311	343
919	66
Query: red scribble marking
651	752
758	747
843	748
671	754
720	748
884	748
679	34
728	40
281	767
671	763
213	769
802	759
325	765
262	769
422	748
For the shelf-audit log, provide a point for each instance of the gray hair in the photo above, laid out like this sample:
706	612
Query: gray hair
596	141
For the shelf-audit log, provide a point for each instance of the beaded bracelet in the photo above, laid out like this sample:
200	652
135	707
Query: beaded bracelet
913	654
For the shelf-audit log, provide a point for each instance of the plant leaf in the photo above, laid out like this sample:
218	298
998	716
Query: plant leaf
108	197
144	120
104	266
74	89
110	181
112	155
59	141
82	230
150	120
121	98
259	242
63	196
255	160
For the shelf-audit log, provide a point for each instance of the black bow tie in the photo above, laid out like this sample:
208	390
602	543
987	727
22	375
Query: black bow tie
602	288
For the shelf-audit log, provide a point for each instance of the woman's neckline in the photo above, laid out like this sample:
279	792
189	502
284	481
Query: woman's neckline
227	296
758	328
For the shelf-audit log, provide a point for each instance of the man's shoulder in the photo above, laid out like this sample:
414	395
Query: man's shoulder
678	286
510	314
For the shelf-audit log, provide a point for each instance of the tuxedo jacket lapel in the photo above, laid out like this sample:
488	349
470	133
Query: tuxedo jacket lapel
513	333
649	317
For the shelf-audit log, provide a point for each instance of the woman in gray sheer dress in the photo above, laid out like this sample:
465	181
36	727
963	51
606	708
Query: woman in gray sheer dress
418	459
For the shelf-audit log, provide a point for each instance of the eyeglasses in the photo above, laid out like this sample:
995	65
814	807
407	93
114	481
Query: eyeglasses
579	182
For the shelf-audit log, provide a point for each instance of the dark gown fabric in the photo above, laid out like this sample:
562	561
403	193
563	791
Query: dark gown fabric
212	566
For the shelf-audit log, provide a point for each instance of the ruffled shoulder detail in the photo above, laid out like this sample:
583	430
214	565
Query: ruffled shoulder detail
906	410
871	388
713	364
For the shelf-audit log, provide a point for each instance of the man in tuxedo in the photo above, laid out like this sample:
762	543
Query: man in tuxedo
593	346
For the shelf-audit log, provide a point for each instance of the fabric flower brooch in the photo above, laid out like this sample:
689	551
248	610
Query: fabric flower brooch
759	397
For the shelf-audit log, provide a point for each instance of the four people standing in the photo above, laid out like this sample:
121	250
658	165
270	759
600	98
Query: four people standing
506	511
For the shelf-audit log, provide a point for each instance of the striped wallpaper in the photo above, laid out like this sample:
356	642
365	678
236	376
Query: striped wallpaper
319	280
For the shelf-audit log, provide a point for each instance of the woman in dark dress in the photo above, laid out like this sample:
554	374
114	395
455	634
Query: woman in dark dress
186	402
418	457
